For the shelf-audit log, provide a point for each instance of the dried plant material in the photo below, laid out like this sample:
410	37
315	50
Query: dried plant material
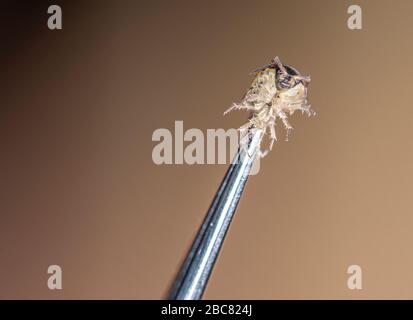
277	91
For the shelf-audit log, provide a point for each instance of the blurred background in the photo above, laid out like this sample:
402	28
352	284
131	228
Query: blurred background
78	187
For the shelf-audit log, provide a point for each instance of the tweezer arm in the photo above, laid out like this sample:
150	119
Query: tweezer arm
193	276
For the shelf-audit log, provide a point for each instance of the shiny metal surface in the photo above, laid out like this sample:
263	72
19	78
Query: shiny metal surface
194	274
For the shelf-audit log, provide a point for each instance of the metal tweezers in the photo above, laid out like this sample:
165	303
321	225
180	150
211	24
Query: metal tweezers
196	269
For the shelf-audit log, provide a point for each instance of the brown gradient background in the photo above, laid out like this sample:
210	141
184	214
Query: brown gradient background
78	187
